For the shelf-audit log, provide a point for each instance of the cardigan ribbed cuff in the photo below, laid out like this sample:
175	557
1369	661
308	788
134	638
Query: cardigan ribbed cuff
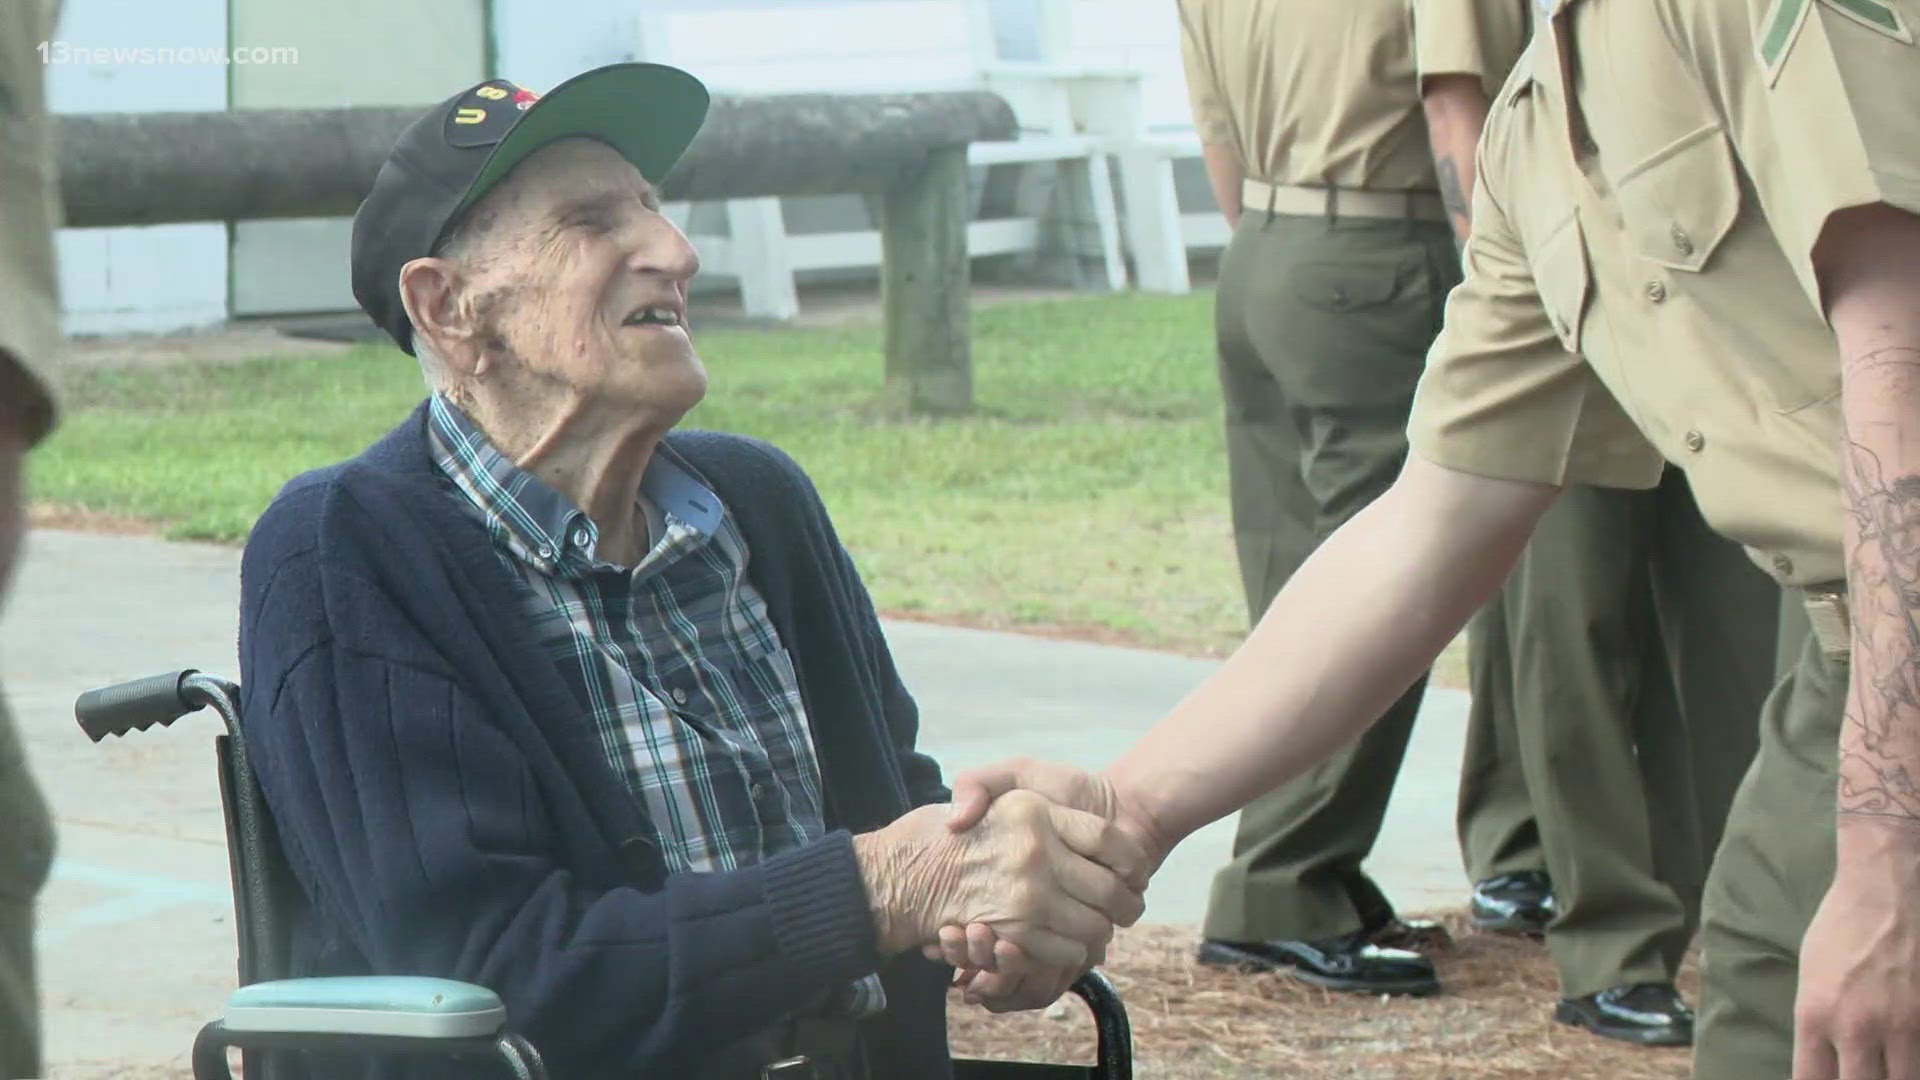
819	905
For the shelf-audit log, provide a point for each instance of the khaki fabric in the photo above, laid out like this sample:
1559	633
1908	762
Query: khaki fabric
1495	820
29	212
1653	179
1469	37
1324	94
1650	191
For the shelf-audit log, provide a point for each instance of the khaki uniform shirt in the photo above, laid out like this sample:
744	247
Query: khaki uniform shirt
1326	93
1639	282
29	213
1470	37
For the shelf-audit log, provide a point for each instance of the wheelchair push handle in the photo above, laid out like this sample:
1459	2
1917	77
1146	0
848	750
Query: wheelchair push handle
137	705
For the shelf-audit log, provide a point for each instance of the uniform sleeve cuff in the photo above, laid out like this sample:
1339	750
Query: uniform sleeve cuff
819	906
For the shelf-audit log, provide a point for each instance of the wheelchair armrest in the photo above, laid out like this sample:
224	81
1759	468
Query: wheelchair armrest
400	1006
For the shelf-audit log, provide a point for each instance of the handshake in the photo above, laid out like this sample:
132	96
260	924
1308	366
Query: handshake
1018	884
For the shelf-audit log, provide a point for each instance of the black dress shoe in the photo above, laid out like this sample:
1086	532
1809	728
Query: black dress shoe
1519	903
1650	1014
1413	935
1349	962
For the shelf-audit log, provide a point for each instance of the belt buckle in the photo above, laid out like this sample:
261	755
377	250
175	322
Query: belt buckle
1832	626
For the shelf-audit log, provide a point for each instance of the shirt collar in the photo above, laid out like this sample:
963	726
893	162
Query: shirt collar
540	524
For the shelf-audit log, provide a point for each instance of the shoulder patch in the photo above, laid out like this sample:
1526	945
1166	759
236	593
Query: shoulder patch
1780	27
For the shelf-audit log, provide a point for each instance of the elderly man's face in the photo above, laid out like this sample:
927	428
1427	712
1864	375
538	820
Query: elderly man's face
583	281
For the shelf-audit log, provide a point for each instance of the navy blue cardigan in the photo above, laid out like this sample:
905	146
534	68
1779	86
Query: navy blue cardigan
448	809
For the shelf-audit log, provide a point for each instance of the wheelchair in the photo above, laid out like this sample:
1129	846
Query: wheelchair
409	1015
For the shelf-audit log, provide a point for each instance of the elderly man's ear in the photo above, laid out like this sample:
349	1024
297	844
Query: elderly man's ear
434	292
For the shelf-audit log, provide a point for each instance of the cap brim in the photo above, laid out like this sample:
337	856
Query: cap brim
649	114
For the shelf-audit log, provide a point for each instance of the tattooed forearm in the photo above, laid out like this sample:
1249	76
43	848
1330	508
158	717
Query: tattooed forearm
1454	195
1456	111
1880	480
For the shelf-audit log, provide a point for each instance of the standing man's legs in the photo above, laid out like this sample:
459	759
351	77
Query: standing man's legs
1648	647
29	328
1719	621
1493	817
1273	517
1773	867
1583	595
1337	317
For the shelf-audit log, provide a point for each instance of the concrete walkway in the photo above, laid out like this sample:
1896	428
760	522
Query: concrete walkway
137	943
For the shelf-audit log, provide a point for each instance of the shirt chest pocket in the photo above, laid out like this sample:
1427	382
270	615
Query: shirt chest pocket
1678	204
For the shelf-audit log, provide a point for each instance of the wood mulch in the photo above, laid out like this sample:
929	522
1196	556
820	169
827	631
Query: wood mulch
1493	1020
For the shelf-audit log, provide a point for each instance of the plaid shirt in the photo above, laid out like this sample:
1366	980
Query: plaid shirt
695	699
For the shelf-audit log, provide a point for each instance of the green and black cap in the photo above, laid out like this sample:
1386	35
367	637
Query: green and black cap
451	157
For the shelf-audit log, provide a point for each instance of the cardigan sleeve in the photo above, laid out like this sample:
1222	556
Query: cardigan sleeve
421	834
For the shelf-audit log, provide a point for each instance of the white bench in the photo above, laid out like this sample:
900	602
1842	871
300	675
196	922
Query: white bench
1142	110
890	46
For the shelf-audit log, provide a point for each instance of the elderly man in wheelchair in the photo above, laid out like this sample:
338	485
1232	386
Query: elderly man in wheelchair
547	697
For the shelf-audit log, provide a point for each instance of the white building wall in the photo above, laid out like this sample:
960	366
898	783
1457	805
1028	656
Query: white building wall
351	52
150	278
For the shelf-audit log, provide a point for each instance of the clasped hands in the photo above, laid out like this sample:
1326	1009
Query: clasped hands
1019	884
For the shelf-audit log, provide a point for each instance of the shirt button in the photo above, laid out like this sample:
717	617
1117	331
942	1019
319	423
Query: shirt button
1783	564
546	551
1656	291
580	537
679	696
758	791
1696	442
1682	243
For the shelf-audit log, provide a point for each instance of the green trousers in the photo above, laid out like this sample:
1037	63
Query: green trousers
1323	327
1641	645
1772	869
1494	816
26	852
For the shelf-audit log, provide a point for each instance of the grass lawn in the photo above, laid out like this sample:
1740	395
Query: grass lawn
1086	495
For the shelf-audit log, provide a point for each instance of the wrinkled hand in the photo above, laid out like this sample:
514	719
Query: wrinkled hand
996	972
1857	1014
1049	879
